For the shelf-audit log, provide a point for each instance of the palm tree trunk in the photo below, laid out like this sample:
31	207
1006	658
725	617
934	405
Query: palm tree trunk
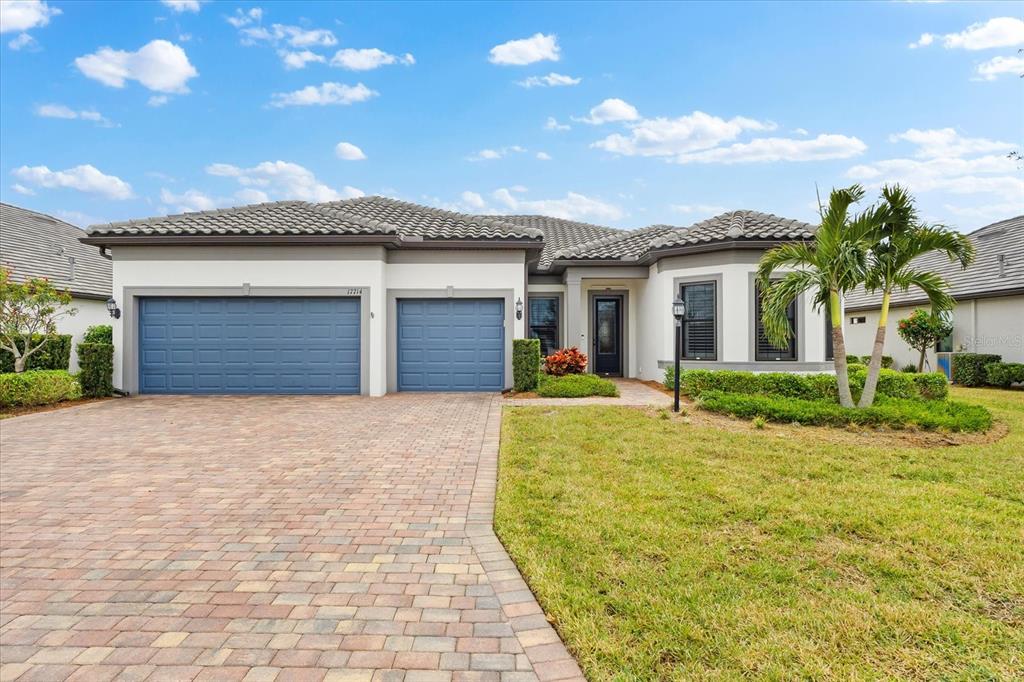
839	351
867	396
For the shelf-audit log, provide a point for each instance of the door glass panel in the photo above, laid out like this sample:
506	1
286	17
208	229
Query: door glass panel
607	326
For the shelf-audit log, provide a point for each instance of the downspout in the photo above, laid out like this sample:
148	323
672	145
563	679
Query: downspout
105	253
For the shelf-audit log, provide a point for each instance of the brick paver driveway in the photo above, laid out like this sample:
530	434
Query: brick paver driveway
262	538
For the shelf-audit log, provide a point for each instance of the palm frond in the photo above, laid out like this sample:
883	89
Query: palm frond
775	299
933	286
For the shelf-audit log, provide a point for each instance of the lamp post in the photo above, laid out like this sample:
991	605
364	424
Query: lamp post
678	312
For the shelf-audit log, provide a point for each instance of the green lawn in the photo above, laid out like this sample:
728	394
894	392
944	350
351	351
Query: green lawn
670	550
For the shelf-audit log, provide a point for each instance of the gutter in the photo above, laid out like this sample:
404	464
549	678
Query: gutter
388	241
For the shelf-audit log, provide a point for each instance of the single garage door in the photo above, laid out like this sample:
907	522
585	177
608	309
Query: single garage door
249	345
451	344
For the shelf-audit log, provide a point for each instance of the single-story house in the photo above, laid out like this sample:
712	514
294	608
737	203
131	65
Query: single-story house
375	295
38	245
989	312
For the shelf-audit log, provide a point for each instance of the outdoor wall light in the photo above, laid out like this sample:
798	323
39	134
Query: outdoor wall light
519	308
678	312
112	308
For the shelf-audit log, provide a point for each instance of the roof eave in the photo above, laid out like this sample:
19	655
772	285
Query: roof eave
657	254
923	300
392	241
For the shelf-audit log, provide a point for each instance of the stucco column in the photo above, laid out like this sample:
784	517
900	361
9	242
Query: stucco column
573	309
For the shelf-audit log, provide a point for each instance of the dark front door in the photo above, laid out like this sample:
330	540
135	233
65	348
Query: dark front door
607	346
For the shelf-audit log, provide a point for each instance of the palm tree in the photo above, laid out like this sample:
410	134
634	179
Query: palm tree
831	265
901	238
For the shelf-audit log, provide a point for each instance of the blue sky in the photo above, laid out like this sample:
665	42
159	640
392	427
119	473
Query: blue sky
624	114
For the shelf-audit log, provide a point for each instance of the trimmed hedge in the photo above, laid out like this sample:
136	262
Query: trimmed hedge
55	353
887	360
99	333
891	412
969	368
892	384
575	386
38	387
96	369
525	364
1004	373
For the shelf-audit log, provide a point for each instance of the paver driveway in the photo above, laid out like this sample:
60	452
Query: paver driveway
262	538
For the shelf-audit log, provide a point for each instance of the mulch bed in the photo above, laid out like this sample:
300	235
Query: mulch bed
9	412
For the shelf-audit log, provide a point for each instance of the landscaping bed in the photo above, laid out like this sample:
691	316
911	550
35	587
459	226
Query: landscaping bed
575	386
665	547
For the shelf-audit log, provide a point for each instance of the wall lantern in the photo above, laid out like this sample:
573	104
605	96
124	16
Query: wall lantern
678	312
519	308
112	308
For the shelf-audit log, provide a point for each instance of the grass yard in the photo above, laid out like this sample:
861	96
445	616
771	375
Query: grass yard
664	549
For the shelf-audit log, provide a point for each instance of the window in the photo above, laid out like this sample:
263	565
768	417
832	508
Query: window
544	315
858	320
945	344
763	348
699	342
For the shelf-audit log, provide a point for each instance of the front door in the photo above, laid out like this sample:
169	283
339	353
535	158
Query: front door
607	335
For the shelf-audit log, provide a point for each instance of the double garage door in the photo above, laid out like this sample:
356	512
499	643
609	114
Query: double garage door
312	345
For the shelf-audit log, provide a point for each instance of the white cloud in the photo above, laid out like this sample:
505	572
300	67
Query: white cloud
240	18
543	156
296	36
20	41
947	142
66	112
251	196
801	131
611	110
984	213
553	124
283	180
997	32
538	47
159	65
324	94
473	200
925	40
22	189
84	178
492	154
674	136
182	5
299	59
349	152
368	59
573	206
698	210
998	66
157	100
769	149
551	80
24	15
190	200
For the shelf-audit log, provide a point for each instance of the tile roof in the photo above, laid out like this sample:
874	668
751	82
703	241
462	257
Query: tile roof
362	216
625	245
559	233
998	267
736	225
37	245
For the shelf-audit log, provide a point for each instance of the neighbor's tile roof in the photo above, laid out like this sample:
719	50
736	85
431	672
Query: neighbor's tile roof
1001	242
365	215
559	233
37	245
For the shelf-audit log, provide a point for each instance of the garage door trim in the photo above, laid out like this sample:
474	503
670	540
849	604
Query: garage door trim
130	319
507	295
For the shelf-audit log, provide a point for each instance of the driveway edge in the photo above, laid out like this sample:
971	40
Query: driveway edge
542	645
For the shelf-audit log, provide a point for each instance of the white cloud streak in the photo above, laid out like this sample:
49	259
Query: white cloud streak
324	94
84	178
552	80
158	65
538	47
368	59
282	180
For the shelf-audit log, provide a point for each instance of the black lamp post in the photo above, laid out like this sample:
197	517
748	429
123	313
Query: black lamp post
678	312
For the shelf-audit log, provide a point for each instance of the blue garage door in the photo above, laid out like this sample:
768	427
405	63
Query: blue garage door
249	345
451	344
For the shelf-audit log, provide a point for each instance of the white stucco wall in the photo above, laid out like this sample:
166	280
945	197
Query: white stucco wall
987	325
317	266
89	312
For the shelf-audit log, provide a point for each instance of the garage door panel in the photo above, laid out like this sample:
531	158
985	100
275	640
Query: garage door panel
451	344
249	345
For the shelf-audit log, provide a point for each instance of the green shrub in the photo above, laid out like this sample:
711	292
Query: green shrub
909	368
525	364
969	368
1004	373
99	333
55	354
38	387
96	369
890	412
575	386
887	362
931	385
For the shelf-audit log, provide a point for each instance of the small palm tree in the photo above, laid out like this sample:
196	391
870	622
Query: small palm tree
830	266
901	238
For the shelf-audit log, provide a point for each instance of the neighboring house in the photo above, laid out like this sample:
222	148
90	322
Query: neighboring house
375	295
989	312
37	245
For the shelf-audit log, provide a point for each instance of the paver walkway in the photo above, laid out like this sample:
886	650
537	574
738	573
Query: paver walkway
262	538
631	392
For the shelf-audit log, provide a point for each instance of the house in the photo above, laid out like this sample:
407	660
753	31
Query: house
374	295
38	245
989	312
